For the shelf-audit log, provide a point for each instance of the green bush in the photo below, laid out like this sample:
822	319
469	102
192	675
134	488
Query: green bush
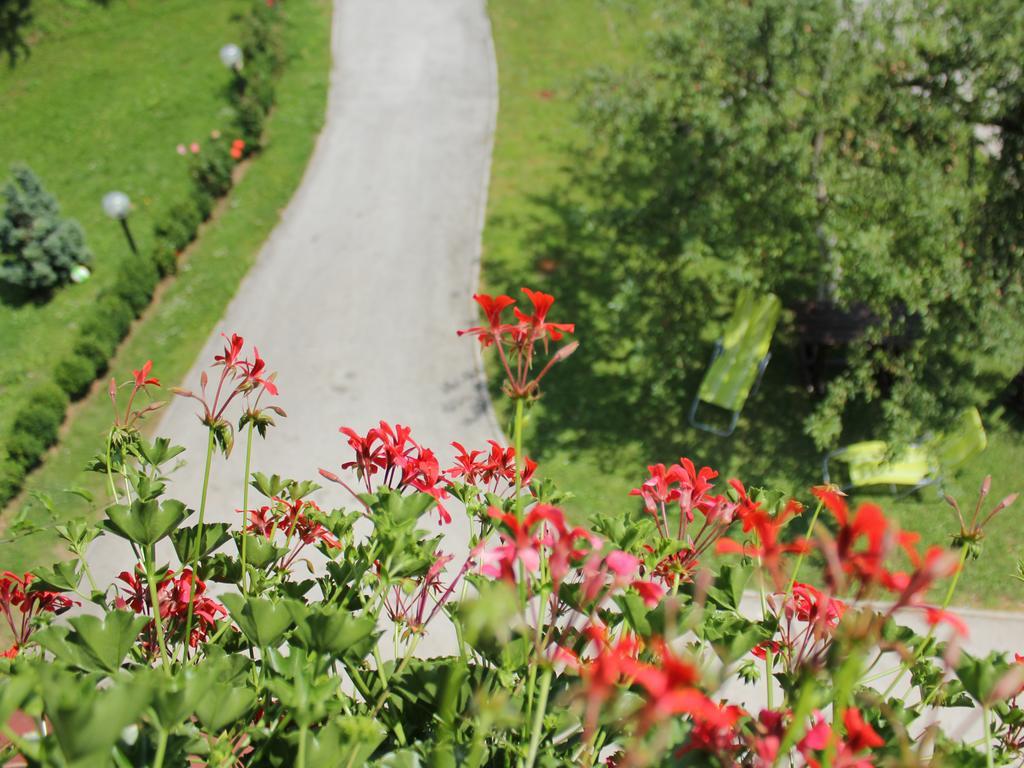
51	396
93	351
75	374
165	257
39	247
211	171
250	117
35	426
135	283
178	224
12	475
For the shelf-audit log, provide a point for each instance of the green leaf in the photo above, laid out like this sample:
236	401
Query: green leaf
214	535
93	645
333	630
109	640
63	576
145	523
344	741
727	589
87	722
263	621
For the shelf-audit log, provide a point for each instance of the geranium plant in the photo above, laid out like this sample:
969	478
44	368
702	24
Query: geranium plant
289	638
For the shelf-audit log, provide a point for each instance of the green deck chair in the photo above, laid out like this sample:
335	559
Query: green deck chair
738	360
917	466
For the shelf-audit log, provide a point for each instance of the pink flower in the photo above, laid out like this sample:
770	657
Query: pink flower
622	564
181	149
194	147
649	592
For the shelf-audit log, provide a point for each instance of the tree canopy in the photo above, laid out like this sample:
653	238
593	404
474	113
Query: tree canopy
858	155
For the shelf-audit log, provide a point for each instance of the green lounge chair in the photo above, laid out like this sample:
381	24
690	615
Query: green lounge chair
738	360
917	466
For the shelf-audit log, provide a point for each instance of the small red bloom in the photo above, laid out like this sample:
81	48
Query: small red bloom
142	377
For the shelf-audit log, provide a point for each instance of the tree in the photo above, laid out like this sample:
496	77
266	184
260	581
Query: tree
38	247
859	154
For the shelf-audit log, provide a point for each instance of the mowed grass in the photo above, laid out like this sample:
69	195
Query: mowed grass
543	50
175	331
100	104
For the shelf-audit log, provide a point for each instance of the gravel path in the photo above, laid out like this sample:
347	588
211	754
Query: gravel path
356	297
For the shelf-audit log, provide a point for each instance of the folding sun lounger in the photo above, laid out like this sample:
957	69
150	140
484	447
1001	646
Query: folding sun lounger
917	466
738	360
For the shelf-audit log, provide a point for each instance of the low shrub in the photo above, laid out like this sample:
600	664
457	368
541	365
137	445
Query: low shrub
12	475
135	283
250	118
38	247
177	225
165	257
93	351
211	172
75	374
35	426
51	396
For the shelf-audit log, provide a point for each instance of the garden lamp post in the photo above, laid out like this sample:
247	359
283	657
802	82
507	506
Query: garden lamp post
231	56
117	206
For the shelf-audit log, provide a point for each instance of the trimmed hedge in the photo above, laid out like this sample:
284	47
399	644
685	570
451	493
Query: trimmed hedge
107	322
35	426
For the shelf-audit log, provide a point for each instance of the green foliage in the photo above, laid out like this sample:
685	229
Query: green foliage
37	247
211	171
253	91
74	374
35	426
176	227
94	351
819	151
12	475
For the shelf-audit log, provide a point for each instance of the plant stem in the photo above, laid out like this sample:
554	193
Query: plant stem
245	500
394	675
300	760
769	657
195	550
800	557
517	439
988	737
154	601
905	666
538	718
161	749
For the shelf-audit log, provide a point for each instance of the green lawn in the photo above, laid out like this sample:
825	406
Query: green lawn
173	334
543	49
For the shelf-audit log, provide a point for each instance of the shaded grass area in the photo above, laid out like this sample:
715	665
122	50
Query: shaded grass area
101	102
600	453
175	331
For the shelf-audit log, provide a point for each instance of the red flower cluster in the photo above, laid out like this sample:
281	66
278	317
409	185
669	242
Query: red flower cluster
237	149
173	597
671	496
291	519
401	462
807	620
769	548
141	381
238	376
862	545
516	342
21	605
480	467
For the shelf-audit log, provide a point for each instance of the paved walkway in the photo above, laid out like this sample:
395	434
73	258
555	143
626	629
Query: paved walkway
356	297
